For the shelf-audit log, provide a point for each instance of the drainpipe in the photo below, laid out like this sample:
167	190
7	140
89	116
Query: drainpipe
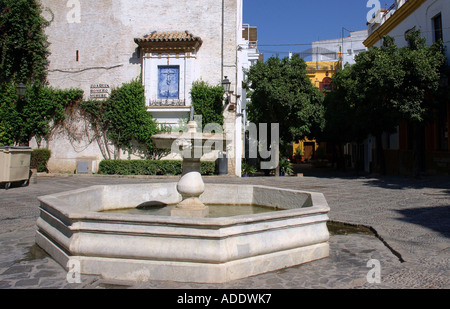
223	38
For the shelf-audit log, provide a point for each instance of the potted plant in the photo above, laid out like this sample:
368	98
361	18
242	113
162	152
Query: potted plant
299	153
285	167
248	169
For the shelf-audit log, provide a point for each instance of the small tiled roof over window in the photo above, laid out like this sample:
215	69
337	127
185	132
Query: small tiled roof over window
169	42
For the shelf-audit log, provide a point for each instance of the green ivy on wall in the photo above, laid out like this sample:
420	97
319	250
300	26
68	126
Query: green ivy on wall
24	45
208	102
123	118
35	115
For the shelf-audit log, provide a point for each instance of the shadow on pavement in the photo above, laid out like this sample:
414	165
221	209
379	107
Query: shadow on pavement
395	182
434	218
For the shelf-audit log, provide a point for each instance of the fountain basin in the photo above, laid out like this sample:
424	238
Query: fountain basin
75	226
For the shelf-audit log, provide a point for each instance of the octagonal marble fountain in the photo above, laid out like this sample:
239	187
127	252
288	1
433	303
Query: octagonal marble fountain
179	238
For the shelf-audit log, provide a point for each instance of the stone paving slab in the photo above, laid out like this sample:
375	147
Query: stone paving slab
410	218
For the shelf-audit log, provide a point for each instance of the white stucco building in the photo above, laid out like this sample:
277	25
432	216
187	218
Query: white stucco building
349	46
98	45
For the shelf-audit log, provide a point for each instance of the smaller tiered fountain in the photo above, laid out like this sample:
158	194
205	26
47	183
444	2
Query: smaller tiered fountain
190	145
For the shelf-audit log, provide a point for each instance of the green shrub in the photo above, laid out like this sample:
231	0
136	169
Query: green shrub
208	168
39	159
286	167
248	169
35	115
208	102
148	167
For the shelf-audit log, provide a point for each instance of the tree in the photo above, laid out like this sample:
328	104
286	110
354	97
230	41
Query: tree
281	92
208	102
388	85
419	94
342	122
23	48
378	75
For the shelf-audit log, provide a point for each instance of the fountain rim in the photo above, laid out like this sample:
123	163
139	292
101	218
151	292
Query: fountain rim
319	206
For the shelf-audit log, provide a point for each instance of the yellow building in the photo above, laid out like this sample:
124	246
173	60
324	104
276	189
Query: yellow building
320	74
304	150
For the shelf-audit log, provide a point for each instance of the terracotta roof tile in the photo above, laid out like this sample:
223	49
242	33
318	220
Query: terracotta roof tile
184	36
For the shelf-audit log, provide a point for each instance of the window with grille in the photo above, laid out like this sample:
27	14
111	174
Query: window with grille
437	27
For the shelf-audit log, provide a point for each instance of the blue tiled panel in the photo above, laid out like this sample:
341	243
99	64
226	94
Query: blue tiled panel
168	82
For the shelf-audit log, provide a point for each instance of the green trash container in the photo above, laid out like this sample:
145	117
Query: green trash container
14	165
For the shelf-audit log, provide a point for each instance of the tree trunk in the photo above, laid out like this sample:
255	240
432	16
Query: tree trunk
418	149
342	157
379	158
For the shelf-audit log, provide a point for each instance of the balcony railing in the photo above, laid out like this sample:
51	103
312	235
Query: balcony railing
167	102
383	15
313	69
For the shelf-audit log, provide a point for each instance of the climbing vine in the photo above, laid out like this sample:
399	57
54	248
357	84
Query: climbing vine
36	114
123	119
24	45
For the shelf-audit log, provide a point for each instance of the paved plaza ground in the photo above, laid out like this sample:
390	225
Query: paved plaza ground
404	223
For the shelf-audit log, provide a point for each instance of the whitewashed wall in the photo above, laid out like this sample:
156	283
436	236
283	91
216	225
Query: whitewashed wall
93	49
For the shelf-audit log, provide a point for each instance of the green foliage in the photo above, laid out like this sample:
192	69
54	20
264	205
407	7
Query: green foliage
208	168
387	85
9	116
299	151
44	108
124	117
23	48
248	169
3	136
149	167
35	115
208	102
422	66
23	59
286	167
39	159
340	107
281	92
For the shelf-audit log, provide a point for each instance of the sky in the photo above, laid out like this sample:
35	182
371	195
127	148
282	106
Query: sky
301	22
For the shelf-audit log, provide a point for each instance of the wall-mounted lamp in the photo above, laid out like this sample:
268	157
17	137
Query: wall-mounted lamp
21	90
226	84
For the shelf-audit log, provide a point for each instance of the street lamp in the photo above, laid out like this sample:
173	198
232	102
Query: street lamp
21	90
226	84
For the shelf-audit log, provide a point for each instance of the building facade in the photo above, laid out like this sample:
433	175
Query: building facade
99	45
343	50
321	72
432	18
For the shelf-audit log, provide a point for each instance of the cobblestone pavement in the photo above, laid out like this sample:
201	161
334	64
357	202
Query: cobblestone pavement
404	223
